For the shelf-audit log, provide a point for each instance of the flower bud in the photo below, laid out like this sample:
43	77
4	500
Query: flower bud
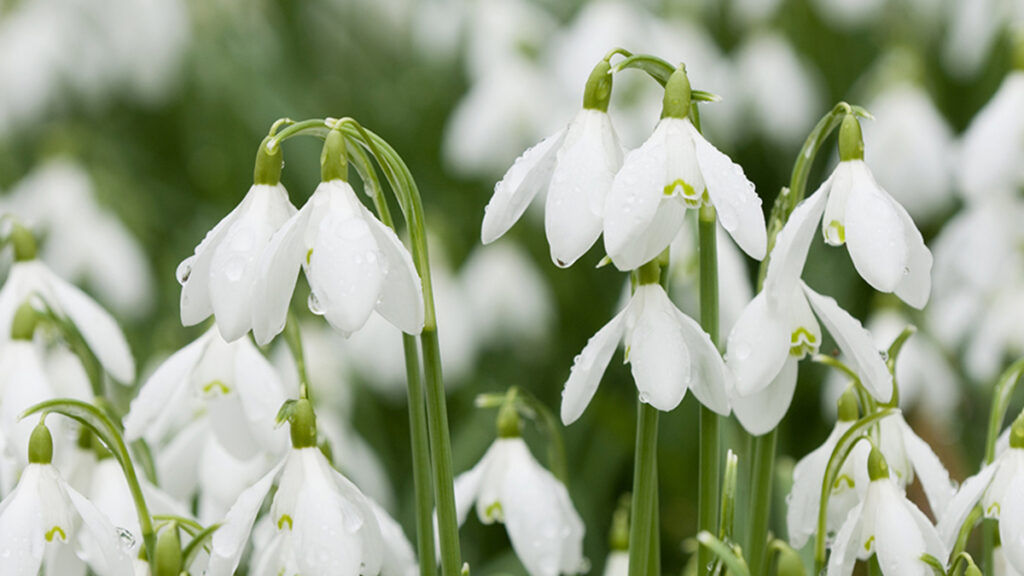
789	563
599	87
40	445
676	103
878	468
168	552
268	164
851	141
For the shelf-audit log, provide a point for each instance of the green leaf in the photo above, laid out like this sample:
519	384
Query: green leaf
199	541
935	564
730	556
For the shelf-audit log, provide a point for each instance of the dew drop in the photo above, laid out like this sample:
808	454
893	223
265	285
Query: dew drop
234	268
645	398
741	350
126	539
314	304
352	229
906	270
371	256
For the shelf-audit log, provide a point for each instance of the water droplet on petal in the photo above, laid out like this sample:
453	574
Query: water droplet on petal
740	350
234	268
645	398
314	304
184	271
126	539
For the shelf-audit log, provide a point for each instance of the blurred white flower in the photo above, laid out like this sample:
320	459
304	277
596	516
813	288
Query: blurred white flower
844	14
973	28
221	277
888	526
674	170
231	385
767	63
84	241
99	330
504	32
994	143
509	486
778	328
355	265
617	563
910	147
999	489
355	458
668	353
575	166
44	520
324	525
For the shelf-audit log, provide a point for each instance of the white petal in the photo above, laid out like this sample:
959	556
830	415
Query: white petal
399	559
21	529
805	495
177	463
932	542
530	173
260	393
1009	465
144	416
792	243
235	266
733	195
757	348
874	232
930	471
855	343
326	542
98	329
761	412
229	540
545	530
833	224
846	544
109	557
899	544
24	384
966	498
356	507
279	271
639	220
1011	524
916	284
658	352
587	162
194	273
401	299
589	367
467	488
346	282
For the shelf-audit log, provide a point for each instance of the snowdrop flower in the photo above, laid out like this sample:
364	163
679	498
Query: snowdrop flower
677	169
85	241
911	149
993	144
40	520
575	166
29	277
886	248
888	526
999	489
778	328
911	456
238	388
220	278
324	525
355	264
668	353
849	14
509	486
808	476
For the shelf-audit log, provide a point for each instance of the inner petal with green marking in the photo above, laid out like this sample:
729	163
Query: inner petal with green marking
802	342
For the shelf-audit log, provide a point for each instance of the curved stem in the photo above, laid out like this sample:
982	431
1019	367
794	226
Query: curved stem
557	459
419	436
293	337
708	461
411	204
314	126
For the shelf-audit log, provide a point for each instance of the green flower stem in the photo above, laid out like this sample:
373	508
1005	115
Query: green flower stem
293	337
642	528
761	495
709	459
419	435
411	204
1000	403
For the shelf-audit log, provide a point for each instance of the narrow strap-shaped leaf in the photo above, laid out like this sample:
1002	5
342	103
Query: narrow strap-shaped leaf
728	555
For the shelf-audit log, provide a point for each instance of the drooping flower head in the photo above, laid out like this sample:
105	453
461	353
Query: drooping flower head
676	169
355	264
576	166
220	278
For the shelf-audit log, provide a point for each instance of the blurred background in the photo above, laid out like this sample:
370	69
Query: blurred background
128	128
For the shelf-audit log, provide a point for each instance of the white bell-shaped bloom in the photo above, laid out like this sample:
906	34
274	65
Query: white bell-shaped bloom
999	489
576	166
617	563
44	517
355	265
230	383
674	170
509	486
804	500
324	525
779	327
668	353
888	526
220	278
97	327
885	245
911	457
911	150
993	144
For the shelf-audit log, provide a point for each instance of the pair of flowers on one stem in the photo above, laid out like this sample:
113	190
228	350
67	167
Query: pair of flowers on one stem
244	271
